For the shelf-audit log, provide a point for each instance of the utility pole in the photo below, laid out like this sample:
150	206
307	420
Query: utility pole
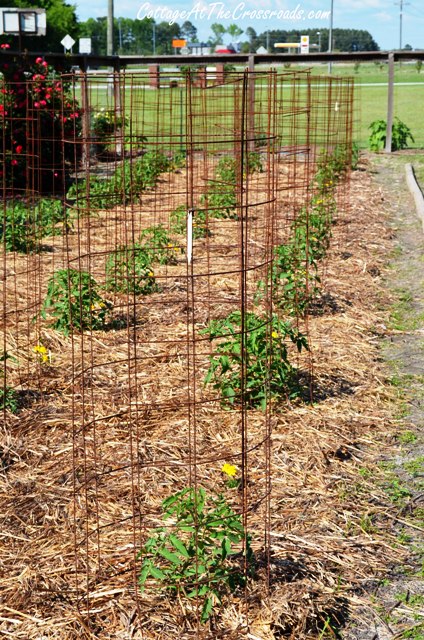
330	36
110	27
401	4
120	36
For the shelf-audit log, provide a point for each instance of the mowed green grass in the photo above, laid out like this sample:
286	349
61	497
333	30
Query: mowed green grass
408	106
164	111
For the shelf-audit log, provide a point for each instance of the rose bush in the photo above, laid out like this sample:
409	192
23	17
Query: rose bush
40	126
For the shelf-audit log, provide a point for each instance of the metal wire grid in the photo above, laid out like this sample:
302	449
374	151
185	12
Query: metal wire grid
143	424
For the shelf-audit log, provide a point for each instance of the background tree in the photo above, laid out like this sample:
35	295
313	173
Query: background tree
143	36
343	39
61	20
218	31
189	31
251	45
95	28
136	36
235	32
165	33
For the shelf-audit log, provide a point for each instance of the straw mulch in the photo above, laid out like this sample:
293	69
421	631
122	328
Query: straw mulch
74	505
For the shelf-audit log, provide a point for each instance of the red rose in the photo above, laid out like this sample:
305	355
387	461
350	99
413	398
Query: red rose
19	148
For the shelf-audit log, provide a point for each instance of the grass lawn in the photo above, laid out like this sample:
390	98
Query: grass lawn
371	99
408	104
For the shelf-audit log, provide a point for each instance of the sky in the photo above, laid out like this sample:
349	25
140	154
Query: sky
380	17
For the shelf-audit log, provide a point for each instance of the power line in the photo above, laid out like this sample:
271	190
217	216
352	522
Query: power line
415	11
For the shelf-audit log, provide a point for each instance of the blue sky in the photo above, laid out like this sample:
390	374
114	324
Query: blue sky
379	17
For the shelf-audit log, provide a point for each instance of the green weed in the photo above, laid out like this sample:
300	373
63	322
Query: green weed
407	437
415	467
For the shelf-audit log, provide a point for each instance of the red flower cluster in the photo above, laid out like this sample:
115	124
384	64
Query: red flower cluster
32	98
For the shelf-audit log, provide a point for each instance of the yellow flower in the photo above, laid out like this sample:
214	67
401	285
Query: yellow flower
97	306
39	348
274	334
151	274
42	352
229	469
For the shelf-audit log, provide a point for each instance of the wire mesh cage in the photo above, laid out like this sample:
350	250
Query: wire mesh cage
156	293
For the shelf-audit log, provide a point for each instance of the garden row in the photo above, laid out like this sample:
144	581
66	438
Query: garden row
127	384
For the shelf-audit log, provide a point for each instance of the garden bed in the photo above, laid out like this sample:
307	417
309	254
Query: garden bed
75	506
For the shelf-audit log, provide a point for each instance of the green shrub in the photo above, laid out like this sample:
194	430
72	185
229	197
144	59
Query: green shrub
295	279
73	299
268	373
294	273
25	223
40	126
200	551
401	133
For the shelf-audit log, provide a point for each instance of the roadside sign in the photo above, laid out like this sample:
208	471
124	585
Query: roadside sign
178	43
85	45
304	44
67	42
23	21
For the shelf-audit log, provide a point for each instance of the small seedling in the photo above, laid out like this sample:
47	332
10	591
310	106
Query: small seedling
8	396
178	220
251	361
129	270
200	552
73	299
158	245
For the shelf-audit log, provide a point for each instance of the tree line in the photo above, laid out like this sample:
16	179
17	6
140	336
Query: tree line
146	37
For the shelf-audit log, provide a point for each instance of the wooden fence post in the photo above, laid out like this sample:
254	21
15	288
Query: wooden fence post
388	148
